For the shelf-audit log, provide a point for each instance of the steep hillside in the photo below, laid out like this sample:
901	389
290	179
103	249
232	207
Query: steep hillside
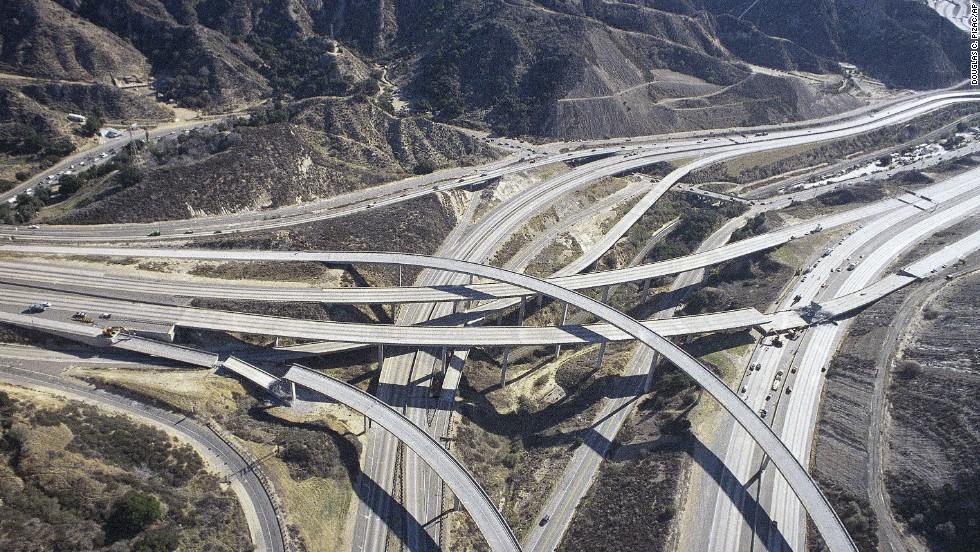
549	67
902	43
312	149
41	38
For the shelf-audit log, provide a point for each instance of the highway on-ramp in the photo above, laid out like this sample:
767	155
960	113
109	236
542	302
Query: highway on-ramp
627	156
267	535
823	516
720	520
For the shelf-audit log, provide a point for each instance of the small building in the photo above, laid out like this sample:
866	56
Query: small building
76	118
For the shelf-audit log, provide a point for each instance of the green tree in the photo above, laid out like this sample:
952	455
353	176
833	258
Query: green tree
129	175
92	125
163	540
70	183
130	515
424	166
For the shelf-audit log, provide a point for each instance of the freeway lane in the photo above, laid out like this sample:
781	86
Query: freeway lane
580	473
478	291
422	492
800	414
297	214
262	521
816	504
725	524
492	525
114	144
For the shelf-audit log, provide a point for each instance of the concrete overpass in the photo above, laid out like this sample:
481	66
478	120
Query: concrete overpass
816	504
347	332
491	524
109	284
647	152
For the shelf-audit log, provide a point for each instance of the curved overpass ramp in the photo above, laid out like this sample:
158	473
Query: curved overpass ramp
495	530
823	516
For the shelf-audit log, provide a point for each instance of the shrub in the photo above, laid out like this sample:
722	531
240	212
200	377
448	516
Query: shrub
130	515
909	369
69	184
92	125
129	175
930	313
163	540
424	166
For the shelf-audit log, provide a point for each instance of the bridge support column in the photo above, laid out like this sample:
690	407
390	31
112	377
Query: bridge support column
292	391
540	299
564	316
646	288
470	303
381	355
443	362
605	294
602	352
503	366
399	275
522	311
648	384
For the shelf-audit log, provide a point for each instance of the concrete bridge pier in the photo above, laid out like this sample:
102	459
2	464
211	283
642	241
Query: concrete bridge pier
602	352
503	366
564	316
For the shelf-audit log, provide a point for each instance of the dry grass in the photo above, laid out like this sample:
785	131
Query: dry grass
320	508
197	391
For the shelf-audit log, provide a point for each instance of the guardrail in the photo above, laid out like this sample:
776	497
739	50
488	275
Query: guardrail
288	543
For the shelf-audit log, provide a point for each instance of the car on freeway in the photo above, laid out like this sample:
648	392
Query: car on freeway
544	521
105	315
763	413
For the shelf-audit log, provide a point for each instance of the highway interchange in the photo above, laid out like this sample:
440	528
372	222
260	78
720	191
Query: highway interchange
784	433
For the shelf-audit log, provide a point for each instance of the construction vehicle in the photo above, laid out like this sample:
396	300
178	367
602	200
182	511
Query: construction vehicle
82	317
